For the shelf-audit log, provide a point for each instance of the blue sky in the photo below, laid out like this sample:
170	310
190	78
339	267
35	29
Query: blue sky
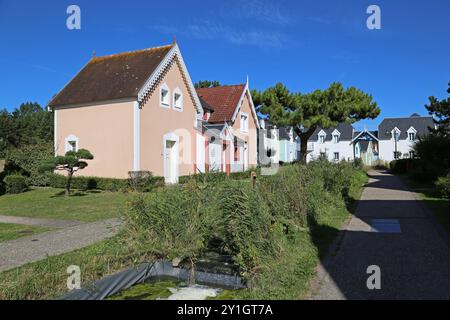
304	44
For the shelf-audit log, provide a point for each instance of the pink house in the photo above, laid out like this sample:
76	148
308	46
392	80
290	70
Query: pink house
230	128
139	111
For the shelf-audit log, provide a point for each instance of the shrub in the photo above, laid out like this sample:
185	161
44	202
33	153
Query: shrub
144	181
434	157
106	184
400	166
27	160
443	186
15	184
244	223
210	177
358	163
168	220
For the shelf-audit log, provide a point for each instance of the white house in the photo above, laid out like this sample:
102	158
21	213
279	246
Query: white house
397	136
333	143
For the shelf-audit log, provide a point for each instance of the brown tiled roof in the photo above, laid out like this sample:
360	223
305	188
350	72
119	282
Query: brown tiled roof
222	100
112	77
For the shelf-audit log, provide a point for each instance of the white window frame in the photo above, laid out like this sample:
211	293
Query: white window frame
68	143
393	134
335	134
412	131
334	156
175	107
164	104
244	122
320	135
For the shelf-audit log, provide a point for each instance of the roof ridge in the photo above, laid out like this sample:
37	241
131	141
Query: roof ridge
407	117
224	86
94	59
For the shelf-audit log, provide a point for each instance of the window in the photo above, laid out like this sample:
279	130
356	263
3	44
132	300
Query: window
396	155
165	96
412	136
411	154
244	122
336	156
177	100
321	139
323	155
71	143
335	138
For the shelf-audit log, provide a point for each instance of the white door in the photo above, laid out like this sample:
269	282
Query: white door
245	156
200	154
170	162
215	156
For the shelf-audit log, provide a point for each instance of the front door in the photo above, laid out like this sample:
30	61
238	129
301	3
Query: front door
170	162
245	156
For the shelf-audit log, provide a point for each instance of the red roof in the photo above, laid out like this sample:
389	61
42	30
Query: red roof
223	100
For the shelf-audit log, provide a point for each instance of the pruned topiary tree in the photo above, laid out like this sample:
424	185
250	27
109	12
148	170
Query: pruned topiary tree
71	162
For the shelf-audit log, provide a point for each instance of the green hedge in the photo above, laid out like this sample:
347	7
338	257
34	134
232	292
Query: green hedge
401	166
443	186
107	184
15	184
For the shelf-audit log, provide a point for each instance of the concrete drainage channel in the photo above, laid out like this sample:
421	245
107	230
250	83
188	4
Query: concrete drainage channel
147	272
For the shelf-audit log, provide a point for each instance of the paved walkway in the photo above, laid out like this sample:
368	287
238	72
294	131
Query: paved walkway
52	223
37	247
415	264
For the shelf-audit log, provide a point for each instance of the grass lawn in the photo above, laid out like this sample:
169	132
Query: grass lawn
10	231
51	203
439	206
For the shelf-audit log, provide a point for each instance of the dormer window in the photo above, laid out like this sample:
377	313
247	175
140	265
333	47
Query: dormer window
412	134
336	135
335	138
177	100
322	136
165	96
396	134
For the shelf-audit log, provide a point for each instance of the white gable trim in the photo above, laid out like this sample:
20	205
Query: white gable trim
156	75
252	106
336	133
412	130
359	134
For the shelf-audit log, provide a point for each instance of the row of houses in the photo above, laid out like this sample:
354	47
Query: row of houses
394	139
139	111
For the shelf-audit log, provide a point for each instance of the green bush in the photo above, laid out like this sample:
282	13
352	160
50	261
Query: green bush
401	166
243	224
27	159
15	183
169	220
210	177
433	153
106	184
443	186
